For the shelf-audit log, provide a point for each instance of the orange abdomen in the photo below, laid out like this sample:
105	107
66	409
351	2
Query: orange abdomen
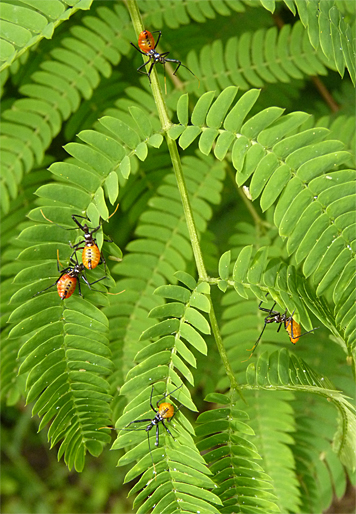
91	256
66	286
294	337
166	410
146	41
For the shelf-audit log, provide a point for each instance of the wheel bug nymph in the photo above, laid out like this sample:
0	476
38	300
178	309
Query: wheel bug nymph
68	278
163	413
292	327
147	46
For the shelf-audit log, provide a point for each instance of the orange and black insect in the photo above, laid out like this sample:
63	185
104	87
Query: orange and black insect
91	255
163	413
147	46
292	327
68	278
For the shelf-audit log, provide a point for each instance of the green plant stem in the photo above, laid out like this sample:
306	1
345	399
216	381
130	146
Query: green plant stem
156	89
222	351
173	150
193	234
177	167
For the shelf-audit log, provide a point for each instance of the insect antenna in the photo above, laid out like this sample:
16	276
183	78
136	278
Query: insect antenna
116	208
54	223
149	449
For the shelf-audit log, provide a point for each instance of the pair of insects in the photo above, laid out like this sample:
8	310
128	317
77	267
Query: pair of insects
91	257
292	327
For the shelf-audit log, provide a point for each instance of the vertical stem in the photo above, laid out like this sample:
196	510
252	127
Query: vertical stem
193	234
177	168
222	351
156	89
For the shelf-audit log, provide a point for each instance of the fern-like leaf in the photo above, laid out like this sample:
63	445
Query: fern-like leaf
12	387
295	168
293	374
256	273
160	361
179	14
317	465
242	483
162	244
26	23
91	168
327	27
266	57
32	123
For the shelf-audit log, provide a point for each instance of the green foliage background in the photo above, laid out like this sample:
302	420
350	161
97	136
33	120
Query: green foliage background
266	139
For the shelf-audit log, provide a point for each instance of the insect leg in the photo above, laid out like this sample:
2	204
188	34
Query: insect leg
74	218
271	311
95	281
175	412
152	407
168	394
157	435
145	64
95	229
256	343
149	449
289	321
279	328
76	247
79	288
49	287
179	65
137	421
58	279
167	429
159	37
312	330
150	70
143	53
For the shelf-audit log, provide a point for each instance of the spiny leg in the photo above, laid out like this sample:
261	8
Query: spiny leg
143	65
152	407
137	421
149	449
175	412
157	435
168	394
150	71
143	53
271	311
184	66
159	37
279	328
256	343
95	281
167	429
